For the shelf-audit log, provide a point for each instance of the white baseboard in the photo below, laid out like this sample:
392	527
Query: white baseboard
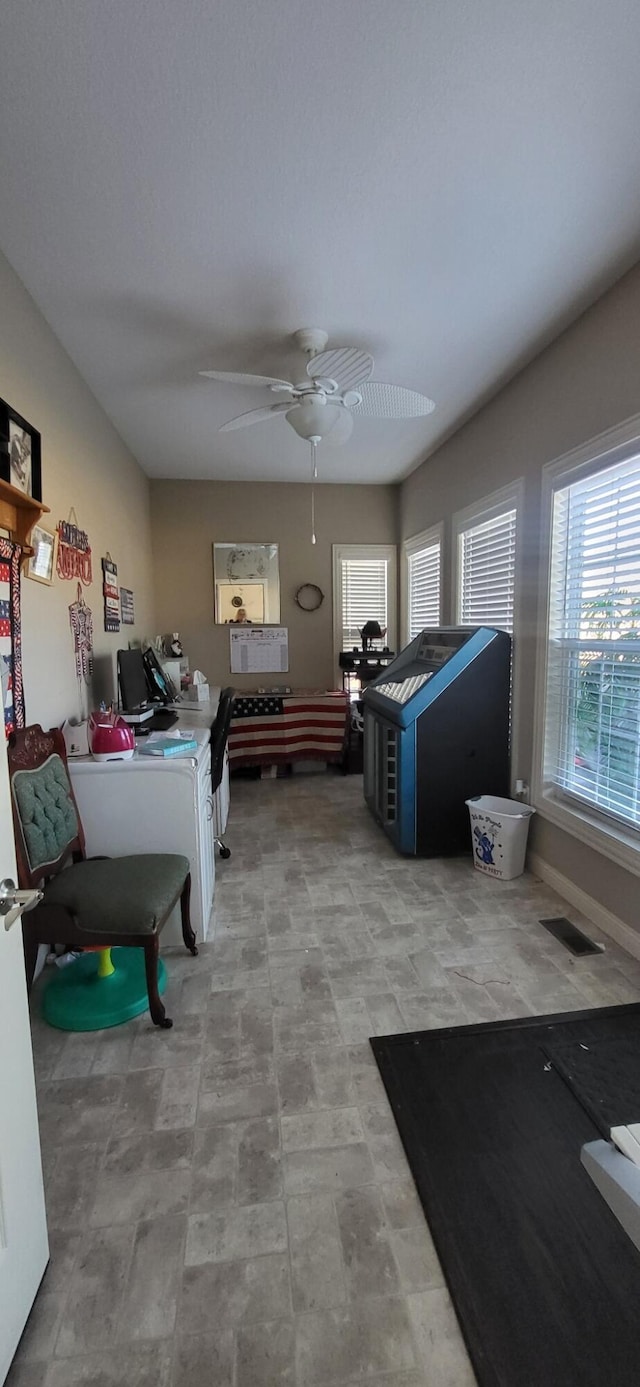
623	934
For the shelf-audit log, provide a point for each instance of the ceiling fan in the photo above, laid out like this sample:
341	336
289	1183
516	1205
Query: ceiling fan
337	386
322	405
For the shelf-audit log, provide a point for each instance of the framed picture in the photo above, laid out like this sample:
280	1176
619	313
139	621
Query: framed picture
41	565
126	607
20	454
240	602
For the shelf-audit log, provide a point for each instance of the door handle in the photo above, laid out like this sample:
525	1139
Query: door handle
14	903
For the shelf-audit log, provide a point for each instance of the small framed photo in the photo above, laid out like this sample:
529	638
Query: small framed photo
41	565
20	452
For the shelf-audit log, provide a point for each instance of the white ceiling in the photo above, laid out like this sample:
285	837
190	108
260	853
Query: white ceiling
184	182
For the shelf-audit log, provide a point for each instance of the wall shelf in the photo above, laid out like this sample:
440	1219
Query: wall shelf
19	513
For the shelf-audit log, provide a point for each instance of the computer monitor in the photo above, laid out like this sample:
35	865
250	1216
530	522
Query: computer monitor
134	689
160	685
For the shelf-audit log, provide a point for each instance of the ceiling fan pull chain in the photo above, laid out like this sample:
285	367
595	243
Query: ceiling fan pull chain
314	473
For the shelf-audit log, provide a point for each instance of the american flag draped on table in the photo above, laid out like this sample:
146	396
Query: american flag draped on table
269	729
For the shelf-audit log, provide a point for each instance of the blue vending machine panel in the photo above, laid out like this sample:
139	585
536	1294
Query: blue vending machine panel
436	732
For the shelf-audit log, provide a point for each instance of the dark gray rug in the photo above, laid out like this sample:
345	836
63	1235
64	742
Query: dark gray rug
545	1283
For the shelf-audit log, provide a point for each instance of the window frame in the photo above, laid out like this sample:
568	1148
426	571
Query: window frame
591	825
426	539
388	552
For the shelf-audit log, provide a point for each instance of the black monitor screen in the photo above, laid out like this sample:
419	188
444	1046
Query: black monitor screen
134	689
159	683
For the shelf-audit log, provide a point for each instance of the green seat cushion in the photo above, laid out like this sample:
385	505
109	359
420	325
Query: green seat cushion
47	814
120	895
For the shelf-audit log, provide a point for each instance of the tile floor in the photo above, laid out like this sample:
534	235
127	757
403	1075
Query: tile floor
229	1202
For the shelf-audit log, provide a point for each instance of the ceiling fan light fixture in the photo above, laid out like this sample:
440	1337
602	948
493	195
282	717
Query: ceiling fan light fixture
313	417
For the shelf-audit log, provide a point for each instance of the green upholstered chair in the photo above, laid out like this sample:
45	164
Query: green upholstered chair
89	903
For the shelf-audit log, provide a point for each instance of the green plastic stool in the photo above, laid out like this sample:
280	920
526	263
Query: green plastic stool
100	989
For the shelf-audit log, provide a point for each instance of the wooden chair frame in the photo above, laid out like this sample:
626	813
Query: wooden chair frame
28	749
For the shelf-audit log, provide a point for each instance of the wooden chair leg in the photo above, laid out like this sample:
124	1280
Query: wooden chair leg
187	932
30	946
151	952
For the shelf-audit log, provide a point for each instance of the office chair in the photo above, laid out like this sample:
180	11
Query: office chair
219	738
90	904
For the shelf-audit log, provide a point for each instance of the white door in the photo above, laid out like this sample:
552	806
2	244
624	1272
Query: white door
24	1250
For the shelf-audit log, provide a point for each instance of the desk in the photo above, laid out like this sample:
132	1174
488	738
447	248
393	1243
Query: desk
274	729
363	665
155	805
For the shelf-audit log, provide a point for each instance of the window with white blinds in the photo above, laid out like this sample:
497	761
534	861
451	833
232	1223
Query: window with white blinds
364	597
422	557
592	703
364	590
486	577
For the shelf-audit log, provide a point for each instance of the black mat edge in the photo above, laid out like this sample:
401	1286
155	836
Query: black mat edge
513	1023
473	1340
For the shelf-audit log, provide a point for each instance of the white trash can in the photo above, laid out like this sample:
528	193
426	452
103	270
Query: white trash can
499	829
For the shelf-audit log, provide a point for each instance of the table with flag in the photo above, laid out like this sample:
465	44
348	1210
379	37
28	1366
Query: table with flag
274	729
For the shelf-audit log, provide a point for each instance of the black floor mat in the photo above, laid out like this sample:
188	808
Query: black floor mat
545	1282
604	1075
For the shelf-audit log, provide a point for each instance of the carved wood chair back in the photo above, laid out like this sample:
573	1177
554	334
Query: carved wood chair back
47	825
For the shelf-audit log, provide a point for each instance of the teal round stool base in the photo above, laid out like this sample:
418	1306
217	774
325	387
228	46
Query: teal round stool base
76	999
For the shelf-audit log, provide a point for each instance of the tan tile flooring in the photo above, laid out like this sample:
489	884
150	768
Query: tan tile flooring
229	1203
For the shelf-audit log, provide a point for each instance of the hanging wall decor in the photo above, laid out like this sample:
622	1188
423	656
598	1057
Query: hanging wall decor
81	623
20	450
126	607
74	551
10	637
111	594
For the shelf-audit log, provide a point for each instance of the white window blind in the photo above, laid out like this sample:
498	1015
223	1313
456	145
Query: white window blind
592	709
486	572
423	588
365	593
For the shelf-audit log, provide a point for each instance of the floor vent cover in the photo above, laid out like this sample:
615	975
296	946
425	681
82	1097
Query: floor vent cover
572	937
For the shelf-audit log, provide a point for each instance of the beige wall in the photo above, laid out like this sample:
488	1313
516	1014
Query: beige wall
188	516
86	465
587	381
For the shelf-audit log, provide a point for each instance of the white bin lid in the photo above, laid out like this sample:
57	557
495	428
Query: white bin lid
502	808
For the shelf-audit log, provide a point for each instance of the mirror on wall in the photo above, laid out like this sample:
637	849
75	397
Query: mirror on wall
247	583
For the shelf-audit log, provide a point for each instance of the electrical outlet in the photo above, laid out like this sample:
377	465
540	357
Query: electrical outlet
522	787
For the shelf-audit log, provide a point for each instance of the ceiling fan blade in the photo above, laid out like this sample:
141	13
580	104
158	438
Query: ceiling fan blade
347	365
244	378
381	401
255	416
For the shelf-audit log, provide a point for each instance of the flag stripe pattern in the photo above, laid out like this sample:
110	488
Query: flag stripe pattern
268	730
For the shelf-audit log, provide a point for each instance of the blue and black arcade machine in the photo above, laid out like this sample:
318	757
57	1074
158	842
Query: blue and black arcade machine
436	733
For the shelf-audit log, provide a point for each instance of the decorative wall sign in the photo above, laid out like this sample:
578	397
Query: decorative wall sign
41	565
10	637
81	622
126	607
20	452
111	594
74	551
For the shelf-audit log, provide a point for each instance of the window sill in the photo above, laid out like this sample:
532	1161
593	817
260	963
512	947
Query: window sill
610	839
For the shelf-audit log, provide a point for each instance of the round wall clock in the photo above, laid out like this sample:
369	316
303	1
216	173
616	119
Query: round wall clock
309	597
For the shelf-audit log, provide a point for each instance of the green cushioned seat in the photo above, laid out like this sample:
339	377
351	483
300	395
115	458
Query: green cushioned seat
120	895
47	814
